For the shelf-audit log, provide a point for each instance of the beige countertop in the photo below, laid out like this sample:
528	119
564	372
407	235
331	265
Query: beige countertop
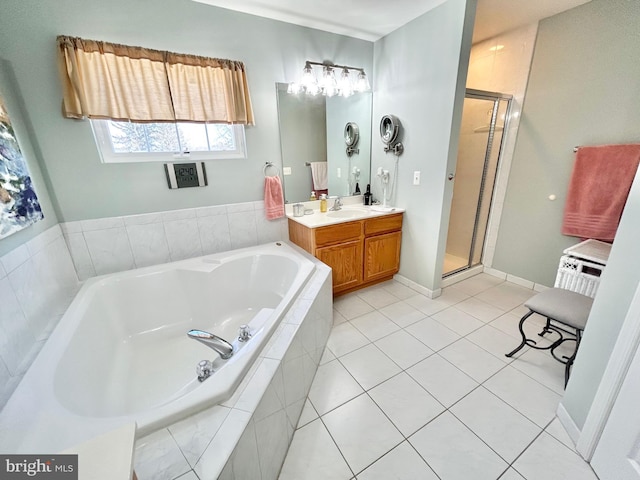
352	210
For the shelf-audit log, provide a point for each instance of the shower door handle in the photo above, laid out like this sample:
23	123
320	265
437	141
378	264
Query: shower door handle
451	176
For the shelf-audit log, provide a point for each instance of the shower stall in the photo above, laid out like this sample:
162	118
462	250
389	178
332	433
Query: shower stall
484	121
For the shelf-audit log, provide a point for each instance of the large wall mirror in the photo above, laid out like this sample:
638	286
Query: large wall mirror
312	129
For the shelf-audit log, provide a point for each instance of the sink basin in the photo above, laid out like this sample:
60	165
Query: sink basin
348	213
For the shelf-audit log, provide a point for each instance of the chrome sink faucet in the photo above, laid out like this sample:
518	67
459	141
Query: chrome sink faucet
220	345
337	204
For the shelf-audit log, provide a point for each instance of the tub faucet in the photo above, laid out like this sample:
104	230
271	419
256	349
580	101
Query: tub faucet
337	204
220	345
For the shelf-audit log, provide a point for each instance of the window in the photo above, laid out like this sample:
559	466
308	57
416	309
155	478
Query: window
123	142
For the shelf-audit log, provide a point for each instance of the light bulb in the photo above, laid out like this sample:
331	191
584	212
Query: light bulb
328	82
362	85
345	87
313	89
308	78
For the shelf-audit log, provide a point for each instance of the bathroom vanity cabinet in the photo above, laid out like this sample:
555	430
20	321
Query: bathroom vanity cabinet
360	252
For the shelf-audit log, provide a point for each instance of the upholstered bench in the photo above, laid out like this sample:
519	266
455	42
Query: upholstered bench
563	309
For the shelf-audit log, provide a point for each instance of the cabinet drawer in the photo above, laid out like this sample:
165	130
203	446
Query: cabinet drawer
388	223
342	232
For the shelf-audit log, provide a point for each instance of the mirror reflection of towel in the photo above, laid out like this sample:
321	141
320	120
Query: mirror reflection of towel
319	175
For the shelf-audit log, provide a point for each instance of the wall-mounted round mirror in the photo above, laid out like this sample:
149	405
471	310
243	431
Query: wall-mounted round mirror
389	129
351	134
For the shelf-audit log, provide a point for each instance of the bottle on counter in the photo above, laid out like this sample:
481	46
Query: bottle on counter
323	203
367	195
313	196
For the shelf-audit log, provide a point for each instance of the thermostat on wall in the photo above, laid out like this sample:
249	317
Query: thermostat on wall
182	175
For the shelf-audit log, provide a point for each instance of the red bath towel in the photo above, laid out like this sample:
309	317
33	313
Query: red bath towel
598	190
273	198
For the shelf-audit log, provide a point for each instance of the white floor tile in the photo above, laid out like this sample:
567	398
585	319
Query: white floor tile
460	322
455	453
426	305
308	414
351	306
541	366
402	313
406	403
369	366
560	463
403	348
557	431
451	296
338	318
511	474
313	456
501	427
442	380
345	338
327	356
362	432
472	360
478	283
332	386
398	290
433	334
506	296
530	398
494	341
377	296
374	325
479	309
401	463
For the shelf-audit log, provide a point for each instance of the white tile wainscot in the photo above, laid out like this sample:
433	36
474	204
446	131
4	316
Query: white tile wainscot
37	284
248	435
108	245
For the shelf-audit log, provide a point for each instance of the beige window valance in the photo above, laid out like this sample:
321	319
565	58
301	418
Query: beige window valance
119	82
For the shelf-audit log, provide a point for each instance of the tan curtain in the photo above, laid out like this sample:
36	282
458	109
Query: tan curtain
209	89
118	82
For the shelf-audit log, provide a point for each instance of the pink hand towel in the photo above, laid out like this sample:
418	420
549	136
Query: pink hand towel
598	190
273	198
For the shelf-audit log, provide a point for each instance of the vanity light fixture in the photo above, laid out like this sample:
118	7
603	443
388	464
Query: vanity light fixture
328	85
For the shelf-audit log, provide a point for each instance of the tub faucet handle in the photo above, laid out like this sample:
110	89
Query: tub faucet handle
244	334
204	370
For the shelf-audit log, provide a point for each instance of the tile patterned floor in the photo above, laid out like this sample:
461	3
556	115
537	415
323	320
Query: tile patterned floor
414	388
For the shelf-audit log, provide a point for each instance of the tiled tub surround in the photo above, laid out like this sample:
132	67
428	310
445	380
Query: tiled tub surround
120	353
114	244
37	283
247	436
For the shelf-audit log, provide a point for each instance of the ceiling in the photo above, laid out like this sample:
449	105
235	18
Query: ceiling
372	19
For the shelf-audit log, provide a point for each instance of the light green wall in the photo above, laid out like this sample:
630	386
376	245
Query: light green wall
583	90
420	71
83	187
22	126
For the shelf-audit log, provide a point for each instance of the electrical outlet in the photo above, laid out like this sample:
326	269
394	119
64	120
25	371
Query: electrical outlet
339	173
416	178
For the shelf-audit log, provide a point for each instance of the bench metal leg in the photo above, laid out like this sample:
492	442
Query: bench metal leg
525	340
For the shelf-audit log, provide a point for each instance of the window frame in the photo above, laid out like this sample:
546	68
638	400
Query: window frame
102	137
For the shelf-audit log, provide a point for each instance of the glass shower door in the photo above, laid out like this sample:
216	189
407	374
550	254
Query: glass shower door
483	123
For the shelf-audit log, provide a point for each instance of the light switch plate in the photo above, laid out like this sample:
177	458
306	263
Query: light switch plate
286	170
416	178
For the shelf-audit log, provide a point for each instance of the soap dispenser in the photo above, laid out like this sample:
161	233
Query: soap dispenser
367	195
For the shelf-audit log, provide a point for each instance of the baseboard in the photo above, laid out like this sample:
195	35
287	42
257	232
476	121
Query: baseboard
523	282
417	287
567	422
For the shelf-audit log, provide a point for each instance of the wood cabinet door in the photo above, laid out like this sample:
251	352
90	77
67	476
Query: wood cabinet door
382	255
345	261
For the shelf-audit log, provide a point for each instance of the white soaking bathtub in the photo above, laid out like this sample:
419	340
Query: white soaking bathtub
121	352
